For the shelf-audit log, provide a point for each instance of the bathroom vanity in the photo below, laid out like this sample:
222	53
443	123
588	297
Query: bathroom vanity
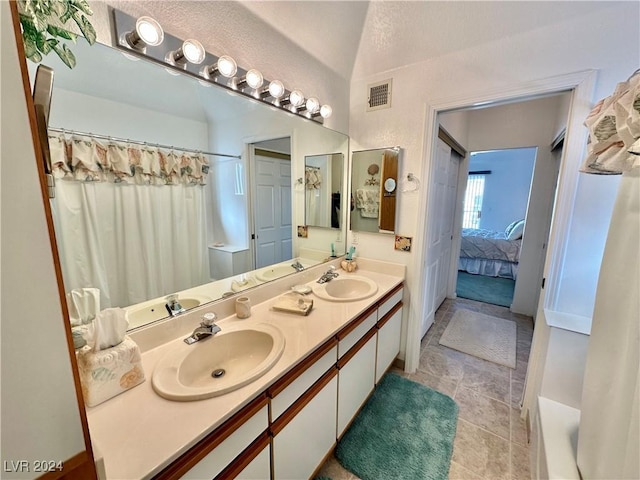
281	425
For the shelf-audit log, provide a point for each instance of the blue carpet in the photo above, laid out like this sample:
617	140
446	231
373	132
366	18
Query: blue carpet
404	431
494	290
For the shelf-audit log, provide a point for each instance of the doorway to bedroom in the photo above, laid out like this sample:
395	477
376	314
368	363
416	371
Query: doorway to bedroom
494	208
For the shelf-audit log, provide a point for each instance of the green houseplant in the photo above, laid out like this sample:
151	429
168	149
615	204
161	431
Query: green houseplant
43	27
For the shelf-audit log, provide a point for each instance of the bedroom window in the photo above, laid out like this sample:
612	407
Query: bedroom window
473	201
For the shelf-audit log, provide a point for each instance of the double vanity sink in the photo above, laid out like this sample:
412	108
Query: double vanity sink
239	355
192	390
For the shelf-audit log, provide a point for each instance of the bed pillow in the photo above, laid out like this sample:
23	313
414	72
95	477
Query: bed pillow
517	231
507	230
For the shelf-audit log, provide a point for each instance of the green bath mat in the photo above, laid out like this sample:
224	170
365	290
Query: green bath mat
404	431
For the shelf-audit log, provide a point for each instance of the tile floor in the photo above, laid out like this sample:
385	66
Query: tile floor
491	439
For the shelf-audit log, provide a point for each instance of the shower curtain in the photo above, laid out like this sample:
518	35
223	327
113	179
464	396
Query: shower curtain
129	221
609	432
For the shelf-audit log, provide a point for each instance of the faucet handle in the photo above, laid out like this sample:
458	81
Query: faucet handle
171	298
208	319
331	269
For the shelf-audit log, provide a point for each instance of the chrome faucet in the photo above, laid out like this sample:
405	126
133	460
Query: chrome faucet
328	275
206	329
298	266
173	305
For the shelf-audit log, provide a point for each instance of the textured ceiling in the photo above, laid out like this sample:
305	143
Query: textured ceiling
354	37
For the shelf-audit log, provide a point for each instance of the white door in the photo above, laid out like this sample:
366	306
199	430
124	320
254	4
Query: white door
272	210
442	209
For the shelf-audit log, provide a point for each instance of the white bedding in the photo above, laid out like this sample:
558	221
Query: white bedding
489	245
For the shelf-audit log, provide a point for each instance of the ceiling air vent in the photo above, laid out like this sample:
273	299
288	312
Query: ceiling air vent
379	95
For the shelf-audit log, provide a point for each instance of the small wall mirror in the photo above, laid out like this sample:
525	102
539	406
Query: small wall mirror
374	177
323	190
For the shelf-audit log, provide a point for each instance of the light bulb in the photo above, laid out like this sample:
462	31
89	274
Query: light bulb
296	97
326	111
276	89
227	66
254	79
149	31
313	105
193	51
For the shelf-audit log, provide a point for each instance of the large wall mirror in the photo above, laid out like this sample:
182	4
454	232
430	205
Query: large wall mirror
323	190
136	224
374	177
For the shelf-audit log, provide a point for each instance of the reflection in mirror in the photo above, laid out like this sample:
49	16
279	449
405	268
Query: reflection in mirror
374	176
137	221
323	190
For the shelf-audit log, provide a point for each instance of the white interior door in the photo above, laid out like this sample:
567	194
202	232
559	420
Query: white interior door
272	210
442	210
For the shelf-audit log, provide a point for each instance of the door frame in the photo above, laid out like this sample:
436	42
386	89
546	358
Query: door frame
582	85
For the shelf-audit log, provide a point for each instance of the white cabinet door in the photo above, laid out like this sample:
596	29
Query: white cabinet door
388	343
355	383
300	447
259	468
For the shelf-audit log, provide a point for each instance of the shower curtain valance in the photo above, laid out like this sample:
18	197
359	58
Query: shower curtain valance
87	160
614	131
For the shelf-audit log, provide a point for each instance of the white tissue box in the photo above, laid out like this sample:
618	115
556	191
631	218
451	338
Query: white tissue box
107	373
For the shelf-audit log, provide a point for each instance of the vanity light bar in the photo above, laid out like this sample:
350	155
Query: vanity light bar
145	38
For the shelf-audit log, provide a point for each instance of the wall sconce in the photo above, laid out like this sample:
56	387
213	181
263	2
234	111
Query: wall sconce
295	99
225	66
135	35
313	105
275	89
253	79
191	50
325	111
147	32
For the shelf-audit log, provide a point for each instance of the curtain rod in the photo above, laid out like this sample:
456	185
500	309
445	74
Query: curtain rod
138	142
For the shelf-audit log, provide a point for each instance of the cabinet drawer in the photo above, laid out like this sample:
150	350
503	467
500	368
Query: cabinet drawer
349	337
222	455
282	400
392	298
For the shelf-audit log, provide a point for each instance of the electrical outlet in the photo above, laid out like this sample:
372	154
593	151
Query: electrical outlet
354	239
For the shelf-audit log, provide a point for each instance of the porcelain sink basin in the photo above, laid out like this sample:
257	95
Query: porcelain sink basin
346	288
155	311
218	365
275	272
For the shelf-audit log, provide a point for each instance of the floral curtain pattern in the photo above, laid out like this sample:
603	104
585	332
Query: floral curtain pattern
614	131
87	160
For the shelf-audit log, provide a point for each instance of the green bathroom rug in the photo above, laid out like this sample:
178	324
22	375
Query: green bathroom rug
404	431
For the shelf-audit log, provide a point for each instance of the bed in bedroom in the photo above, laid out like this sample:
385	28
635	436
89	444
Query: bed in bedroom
490	253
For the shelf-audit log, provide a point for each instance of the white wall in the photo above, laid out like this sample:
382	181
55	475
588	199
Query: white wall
606	40
506	188
233	225
40	416
87	113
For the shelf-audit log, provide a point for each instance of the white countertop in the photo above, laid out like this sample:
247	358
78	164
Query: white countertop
139	433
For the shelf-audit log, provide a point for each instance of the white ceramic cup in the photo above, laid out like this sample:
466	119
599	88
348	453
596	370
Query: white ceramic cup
243	307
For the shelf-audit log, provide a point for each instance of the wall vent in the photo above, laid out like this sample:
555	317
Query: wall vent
379	95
